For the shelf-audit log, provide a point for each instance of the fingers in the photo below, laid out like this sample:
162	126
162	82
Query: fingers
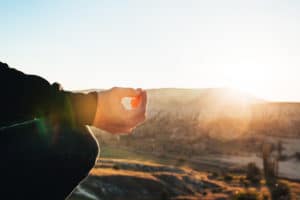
141	107
127	125
139	98
133	118
138	104
126	92
138	115
127	119
120	130
143	100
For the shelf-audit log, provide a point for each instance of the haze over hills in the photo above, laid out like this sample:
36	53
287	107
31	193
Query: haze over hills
212	121
198	101
228	109
190	101
221	111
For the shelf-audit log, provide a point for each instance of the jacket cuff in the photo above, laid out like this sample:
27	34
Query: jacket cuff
84	108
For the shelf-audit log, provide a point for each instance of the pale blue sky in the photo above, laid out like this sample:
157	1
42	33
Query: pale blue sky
250	45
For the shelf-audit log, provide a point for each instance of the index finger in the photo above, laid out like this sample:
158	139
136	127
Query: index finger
141	109
127	92
143	100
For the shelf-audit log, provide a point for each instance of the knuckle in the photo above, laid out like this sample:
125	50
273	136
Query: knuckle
143	118
116	132
131	123
125	120
127	131
112	131
114	88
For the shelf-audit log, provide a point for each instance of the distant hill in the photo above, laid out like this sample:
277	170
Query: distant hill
218	112
208	102
191	101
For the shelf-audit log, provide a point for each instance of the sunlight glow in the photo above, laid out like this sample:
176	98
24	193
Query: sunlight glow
248	79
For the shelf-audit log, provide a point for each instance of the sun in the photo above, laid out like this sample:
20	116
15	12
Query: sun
250	79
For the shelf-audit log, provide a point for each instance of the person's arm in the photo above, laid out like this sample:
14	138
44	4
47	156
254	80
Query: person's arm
29	96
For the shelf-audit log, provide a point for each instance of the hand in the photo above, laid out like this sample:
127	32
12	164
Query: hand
113	117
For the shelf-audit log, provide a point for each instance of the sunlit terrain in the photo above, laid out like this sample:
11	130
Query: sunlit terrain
202	143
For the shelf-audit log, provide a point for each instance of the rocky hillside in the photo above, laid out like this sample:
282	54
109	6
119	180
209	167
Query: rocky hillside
123	179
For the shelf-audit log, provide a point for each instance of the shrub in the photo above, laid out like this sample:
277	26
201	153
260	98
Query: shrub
215	174
265	197
253	173
242	180
228	177
116	167
164	195
216	190
297	155
247	195
281	191
270	163
181	160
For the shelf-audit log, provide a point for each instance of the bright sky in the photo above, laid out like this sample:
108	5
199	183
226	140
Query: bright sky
250	45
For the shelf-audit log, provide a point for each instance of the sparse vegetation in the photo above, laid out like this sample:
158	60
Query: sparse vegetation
181	161
265	197
246	195
214	175
270	163
280	191
228	177
297	156
116	167
253	173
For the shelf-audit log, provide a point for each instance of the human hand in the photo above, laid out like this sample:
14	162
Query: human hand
111	114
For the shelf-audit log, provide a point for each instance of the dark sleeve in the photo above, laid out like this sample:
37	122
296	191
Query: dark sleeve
28	96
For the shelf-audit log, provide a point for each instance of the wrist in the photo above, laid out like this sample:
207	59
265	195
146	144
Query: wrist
98	114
